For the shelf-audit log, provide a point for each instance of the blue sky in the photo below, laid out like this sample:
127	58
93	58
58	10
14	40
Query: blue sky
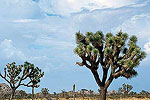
43	32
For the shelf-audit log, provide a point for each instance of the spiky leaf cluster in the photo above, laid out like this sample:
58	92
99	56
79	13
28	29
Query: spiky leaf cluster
13	72
35	75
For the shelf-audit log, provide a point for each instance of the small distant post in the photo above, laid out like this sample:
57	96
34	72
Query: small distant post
74	91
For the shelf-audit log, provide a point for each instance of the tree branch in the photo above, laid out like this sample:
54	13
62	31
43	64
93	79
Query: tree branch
5	79
108	81
96	76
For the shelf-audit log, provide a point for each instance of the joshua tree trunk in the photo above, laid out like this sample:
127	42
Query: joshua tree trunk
12	94
103	94
32	93
102	84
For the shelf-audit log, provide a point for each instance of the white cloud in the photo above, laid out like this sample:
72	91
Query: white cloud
147	47
140	4
138	25
8	51
25	20
71	6
48	41
19	9
147	50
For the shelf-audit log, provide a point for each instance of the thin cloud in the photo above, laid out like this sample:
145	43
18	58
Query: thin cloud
147	47
65	7
25	20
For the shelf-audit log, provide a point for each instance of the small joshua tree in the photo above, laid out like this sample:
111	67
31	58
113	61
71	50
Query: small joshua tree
91	93
143	92
55	95
63	93
111	52
125	89
45	92
14	75
34	77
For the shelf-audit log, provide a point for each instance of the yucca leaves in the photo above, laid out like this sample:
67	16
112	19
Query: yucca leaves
95	51
133	38
79	37
16	74
120	48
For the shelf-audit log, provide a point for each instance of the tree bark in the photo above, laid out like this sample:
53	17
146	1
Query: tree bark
12	94
32	93
103	94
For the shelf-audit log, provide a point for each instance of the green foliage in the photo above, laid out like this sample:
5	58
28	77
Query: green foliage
35	75
98	49
89	48
108	51
133	39
95	51
80	50
16	74
80	37
108	35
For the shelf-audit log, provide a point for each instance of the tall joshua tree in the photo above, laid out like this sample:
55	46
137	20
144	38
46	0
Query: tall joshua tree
14	75
34	77
111	52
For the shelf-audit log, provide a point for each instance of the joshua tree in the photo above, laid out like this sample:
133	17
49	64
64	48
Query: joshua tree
91	93
125	89
119	90
111	52
34	77
55	95
143	92
45	92
63	93
15	75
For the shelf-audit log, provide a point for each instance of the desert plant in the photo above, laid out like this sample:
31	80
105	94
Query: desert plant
34	77
143	92
63	93
91	93
14	75
55	95
111	52
45	92
125	89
